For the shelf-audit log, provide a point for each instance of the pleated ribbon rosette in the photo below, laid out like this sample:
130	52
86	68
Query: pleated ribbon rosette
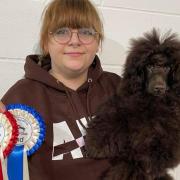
8	139
31	136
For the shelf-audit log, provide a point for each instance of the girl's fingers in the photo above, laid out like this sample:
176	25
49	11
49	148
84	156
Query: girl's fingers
2	107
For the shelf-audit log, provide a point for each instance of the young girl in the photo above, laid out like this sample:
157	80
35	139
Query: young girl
65	84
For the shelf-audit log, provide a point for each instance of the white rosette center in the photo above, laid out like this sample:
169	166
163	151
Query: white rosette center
5	131
29	129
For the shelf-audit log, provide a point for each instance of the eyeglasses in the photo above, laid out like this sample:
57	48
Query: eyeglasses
63	35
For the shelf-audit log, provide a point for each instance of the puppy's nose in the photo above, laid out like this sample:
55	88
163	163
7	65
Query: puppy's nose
159	89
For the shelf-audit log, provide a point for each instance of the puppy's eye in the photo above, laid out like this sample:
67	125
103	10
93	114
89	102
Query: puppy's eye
150	68
166	68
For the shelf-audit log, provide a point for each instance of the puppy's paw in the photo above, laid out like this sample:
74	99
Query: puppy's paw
125	171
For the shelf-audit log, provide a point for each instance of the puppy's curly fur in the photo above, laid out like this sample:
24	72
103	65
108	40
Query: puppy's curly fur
139	131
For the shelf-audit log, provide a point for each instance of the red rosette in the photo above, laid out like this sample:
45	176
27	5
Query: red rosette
10	132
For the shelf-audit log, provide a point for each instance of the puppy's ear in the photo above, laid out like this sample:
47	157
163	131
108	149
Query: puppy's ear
141	73
175	80
176	74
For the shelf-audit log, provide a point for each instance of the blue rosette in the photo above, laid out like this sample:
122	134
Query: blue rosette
31	136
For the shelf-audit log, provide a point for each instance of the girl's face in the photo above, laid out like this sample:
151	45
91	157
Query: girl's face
72	58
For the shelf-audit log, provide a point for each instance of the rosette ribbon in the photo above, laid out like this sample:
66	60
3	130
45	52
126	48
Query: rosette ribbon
8	139
31	136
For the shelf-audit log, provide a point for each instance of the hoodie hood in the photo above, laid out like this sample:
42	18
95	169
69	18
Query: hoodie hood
37	68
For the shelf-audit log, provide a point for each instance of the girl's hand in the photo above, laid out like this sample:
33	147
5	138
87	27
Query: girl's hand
2	107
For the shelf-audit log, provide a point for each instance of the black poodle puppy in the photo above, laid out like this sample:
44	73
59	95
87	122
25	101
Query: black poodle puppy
138	129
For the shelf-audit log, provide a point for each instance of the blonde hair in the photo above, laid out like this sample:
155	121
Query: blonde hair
69	13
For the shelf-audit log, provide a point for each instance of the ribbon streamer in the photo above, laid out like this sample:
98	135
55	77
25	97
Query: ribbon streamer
3	168
15	160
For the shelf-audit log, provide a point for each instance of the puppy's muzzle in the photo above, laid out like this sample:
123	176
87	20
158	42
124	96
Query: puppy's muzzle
157	85
159	89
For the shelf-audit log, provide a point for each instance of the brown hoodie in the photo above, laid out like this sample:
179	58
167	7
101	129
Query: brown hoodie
65	112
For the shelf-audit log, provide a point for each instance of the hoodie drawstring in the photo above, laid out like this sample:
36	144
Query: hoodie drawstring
88	102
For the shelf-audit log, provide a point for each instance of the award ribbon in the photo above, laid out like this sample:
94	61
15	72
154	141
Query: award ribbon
31	136
8	139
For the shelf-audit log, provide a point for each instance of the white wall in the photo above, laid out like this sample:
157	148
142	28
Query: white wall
123	19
